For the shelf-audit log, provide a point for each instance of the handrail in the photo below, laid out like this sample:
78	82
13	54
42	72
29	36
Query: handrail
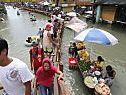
37	11
59	85
62	88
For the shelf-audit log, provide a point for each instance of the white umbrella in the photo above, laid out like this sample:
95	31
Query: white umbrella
83	7
41	3
44	3
72	14
89	12
97	36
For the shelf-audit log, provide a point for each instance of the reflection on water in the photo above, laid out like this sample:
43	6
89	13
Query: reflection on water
18	28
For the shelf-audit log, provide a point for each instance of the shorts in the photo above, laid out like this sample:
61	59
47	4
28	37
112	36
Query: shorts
48	50
41	36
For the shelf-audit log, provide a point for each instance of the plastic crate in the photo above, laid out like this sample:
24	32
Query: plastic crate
73	61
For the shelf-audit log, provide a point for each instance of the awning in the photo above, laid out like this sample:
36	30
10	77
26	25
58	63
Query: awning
118	2
76	24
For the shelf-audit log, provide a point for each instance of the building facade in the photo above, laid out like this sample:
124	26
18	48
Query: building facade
112	11
17	0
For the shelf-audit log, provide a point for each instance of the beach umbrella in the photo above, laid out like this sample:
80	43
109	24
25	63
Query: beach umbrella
41	3
97	36
46	3
72	14
89	12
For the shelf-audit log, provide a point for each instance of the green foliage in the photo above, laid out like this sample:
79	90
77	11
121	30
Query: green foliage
84	66
3	9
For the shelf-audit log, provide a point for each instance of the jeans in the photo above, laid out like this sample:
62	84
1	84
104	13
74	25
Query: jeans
43	90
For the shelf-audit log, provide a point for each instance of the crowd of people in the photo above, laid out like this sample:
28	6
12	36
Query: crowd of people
41	59
14	74
96	68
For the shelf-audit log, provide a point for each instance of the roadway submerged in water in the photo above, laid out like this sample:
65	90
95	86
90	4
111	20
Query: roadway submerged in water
18	28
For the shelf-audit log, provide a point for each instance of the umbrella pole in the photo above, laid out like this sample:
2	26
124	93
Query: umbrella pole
74	33
91	51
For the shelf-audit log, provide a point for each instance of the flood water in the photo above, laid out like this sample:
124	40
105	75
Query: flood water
17	28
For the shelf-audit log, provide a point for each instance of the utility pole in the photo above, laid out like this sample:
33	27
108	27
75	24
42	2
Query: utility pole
57	3
93	12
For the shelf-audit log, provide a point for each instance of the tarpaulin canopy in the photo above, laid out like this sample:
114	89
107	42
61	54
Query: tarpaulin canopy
72	14
118	2
76	24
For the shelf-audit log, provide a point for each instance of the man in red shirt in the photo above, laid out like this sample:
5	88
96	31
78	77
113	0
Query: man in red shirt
36	56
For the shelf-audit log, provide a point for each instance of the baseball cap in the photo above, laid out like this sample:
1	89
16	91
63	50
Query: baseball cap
34	43
48	26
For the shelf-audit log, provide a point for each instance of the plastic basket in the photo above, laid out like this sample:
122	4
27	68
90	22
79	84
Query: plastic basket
73	61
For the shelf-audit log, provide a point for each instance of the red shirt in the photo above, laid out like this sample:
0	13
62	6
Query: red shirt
37	58
46	77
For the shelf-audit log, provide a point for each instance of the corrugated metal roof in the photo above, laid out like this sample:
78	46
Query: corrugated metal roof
118	2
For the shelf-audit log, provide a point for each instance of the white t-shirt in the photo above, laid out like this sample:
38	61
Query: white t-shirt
46	42
53	17
14	75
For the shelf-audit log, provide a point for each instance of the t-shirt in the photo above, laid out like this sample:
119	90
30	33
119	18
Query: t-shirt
40	33
83	54
46	41
13	76
36	58
45	77
99	64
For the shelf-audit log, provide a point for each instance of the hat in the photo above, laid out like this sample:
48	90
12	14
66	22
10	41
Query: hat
34	43
48	26
71	41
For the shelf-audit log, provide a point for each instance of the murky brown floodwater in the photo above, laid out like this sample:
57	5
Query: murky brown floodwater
17	28
114	55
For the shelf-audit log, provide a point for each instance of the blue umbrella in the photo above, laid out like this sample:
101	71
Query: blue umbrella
97	36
